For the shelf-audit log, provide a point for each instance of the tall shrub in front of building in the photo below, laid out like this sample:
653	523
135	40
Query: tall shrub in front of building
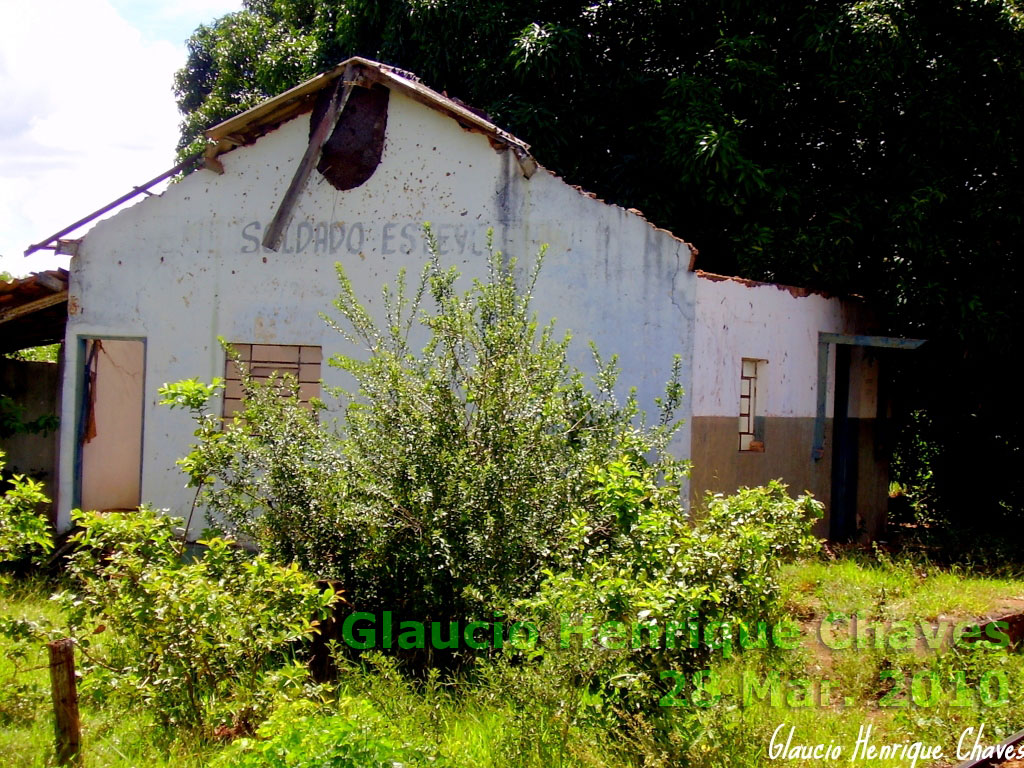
459	468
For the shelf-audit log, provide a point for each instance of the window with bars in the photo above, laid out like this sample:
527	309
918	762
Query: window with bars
751	423
266	360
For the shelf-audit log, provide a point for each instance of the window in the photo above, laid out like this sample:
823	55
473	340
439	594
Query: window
751	418
263	360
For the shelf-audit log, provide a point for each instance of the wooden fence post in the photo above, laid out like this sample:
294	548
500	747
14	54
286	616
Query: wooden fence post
65	701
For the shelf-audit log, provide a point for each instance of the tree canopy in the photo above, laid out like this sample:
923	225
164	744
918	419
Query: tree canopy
871	148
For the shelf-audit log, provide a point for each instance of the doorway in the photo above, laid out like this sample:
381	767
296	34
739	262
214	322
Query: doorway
843	507
109	447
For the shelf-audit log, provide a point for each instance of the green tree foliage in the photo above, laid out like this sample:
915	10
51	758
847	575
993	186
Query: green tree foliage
867	147
48	353
460	467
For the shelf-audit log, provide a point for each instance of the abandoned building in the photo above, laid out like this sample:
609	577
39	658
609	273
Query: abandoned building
780	382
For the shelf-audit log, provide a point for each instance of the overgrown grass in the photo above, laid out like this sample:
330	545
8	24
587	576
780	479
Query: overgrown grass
503	718
901	588
882	590
511	715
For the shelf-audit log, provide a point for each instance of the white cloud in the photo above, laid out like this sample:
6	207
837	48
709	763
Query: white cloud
87	113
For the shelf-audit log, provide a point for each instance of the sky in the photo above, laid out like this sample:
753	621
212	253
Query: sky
86	109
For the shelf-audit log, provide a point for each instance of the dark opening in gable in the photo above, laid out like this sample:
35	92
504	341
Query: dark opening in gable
352	152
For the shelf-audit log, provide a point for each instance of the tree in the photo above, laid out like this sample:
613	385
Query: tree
858	147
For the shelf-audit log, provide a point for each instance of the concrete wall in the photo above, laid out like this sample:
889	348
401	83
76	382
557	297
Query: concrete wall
180	269
35	387
739	319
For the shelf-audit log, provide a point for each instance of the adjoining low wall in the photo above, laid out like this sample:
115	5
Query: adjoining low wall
756	351
35	387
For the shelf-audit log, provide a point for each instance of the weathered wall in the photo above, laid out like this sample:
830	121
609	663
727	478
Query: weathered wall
738	319
35	387
182	268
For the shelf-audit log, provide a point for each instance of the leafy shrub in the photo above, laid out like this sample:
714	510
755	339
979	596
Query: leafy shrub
24	532
649	567
21	699
275	475
741	541
651	560
204	643
355	735
460	468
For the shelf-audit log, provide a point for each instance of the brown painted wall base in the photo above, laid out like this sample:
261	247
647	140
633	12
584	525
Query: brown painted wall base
719	465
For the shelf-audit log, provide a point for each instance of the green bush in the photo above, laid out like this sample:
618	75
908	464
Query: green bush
461	466
642	556
640	563
21	698
24	532
25	535
741	540
202	644
354	735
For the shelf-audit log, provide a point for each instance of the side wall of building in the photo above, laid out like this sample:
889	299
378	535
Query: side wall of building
181	269
778	328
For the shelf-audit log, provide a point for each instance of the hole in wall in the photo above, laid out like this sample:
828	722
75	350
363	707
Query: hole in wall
353	150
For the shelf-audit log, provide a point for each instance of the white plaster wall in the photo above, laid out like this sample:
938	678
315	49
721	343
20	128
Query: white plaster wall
737	320
182	268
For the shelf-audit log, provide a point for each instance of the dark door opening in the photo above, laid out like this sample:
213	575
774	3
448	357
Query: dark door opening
843	502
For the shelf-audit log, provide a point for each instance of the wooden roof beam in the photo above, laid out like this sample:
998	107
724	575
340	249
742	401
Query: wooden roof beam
28	308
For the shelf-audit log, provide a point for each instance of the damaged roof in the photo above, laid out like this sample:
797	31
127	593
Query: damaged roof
795	291
245	128
33	310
